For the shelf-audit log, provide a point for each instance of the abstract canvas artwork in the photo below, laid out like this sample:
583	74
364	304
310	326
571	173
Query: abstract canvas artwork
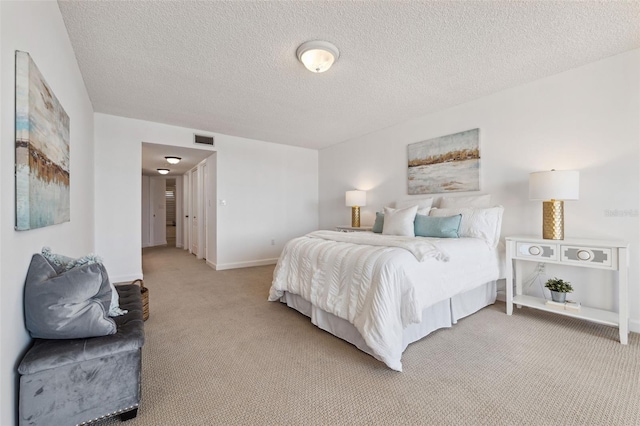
42	150
446	164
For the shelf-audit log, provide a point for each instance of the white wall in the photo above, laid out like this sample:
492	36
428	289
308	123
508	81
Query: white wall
37	28
271	192
586	119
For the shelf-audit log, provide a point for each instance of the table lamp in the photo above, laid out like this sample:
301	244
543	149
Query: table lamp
355	200
553	187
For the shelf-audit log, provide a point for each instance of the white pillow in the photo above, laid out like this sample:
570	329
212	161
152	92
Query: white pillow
399	221
476	223
424	204
477	201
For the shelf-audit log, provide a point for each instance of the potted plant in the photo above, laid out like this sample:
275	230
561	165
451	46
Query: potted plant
559	289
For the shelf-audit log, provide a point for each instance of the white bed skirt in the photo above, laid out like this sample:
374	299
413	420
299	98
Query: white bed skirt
441	315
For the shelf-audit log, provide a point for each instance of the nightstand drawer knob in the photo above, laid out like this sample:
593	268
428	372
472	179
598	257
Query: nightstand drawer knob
534	250
584	254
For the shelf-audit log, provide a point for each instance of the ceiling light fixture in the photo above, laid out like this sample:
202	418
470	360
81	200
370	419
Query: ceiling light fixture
163	171
173	160
317	55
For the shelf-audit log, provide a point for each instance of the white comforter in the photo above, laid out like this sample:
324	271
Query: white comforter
380	284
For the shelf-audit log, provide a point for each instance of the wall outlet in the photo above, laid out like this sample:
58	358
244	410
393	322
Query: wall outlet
223	202
273	242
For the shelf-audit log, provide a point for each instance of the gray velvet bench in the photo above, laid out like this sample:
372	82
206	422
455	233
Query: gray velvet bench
78	381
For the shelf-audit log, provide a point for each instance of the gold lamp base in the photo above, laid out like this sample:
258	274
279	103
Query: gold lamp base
355	217
553	220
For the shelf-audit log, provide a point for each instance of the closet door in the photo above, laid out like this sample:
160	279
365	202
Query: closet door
158	219
194	211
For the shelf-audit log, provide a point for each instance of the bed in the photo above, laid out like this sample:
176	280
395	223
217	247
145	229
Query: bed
383	291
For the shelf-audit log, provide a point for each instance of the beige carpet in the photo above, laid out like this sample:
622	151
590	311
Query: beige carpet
171	235
217	352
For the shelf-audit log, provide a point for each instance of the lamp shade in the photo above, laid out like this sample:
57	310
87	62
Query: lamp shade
554	185
356	198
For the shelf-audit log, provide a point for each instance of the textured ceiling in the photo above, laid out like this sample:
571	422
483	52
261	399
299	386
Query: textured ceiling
230	67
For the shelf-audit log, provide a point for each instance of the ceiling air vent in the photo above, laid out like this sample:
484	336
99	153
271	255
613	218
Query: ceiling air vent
203	140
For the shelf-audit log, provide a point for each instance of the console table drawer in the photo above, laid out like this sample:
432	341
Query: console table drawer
534	250
593	256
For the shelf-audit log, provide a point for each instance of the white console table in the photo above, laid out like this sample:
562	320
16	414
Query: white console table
600	254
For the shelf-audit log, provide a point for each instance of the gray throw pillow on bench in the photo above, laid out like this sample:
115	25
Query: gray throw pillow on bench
70	305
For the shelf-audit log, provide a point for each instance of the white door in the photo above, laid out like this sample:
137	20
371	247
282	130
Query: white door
194	211
179	212
186	211
205	213
158	219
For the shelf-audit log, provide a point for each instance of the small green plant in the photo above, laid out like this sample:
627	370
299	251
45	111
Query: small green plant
557	284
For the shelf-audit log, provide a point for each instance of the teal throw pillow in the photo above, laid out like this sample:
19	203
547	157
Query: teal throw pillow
379	223
84	260
57	261
440	227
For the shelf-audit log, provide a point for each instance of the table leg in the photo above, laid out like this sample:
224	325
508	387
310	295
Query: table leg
623	293
509	278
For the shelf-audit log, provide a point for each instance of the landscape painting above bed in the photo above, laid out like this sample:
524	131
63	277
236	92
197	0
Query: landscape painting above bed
445	164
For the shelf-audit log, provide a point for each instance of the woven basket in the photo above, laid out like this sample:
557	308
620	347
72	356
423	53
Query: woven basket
145	299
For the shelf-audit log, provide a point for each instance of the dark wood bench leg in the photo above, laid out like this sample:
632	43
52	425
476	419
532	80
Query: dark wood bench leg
129	415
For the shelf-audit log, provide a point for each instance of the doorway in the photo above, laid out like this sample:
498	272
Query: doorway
188	192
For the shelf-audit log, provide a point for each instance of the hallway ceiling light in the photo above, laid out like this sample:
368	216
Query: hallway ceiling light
317	55
163	171
173	160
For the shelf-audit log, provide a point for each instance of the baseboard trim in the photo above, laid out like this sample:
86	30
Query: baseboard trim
125	279
237	265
